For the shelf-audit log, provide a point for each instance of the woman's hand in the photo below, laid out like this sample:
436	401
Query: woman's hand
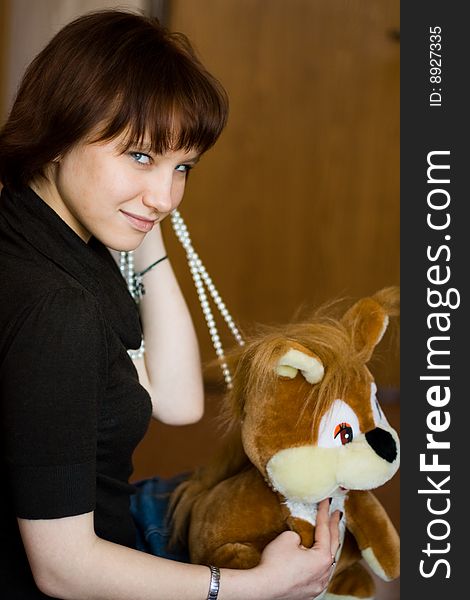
289	571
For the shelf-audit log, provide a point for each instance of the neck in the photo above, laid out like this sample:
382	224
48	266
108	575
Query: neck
46	189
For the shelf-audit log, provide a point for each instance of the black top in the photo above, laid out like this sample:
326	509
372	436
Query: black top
71	408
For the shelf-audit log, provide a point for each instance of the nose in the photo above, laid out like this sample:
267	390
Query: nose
382	443
160	202
158	195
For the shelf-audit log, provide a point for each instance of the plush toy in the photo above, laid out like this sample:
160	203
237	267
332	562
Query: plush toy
305	425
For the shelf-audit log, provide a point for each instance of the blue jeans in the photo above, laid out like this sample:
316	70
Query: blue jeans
149	508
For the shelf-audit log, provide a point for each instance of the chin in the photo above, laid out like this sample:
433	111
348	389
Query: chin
120	244
122	248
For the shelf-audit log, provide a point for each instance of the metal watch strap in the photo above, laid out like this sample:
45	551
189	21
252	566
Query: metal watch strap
214	584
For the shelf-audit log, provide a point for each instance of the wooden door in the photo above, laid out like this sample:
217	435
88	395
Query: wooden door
298	202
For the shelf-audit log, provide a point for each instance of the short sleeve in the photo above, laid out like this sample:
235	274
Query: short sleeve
51	382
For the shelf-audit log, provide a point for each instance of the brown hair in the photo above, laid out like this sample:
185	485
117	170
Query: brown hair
105	74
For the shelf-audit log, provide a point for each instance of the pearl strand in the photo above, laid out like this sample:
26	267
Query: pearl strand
126	266
202	281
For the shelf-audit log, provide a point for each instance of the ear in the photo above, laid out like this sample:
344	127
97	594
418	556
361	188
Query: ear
368	319
297	358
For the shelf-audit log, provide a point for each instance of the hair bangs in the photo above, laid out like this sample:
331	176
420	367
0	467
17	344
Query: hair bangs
166	102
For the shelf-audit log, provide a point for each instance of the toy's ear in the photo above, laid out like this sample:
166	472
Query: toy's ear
368	319
297	358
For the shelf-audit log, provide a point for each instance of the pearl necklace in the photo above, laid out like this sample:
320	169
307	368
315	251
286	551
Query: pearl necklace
203	283
126	266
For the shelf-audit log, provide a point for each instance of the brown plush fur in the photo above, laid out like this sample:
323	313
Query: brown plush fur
230	509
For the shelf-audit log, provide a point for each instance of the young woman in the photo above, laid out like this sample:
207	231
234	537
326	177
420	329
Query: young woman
108	121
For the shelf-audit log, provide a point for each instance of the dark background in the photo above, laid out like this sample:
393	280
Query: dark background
424	129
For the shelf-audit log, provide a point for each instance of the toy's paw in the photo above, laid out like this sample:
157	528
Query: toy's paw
353	583
374	564
236	556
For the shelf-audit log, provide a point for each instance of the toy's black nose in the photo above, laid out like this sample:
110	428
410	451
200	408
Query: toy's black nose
382	443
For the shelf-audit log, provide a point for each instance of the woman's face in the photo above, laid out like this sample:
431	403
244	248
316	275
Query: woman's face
116	197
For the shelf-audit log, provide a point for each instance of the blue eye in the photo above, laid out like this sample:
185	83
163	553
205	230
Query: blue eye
141	158
184	168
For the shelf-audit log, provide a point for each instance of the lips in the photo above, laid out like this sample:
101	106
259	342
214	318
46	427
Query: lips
138	222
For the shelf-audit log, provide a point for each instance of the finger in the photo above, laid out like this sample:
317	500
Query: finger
334	532
322	528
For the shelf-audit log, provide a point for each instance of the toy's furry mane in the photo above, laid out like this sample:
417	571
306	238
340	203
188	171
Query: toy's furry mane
328	336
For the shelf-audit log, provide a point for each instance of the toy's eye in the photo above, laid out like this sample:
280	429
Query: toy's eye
338	426
344	430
